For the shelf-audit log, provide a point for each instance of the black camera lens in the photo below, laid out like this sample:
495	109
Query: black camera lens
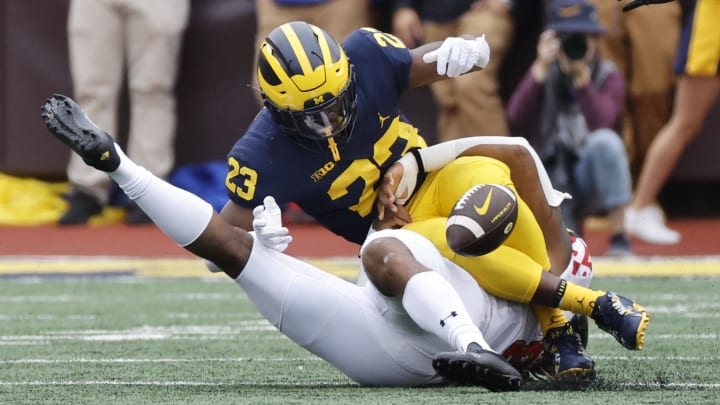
574	45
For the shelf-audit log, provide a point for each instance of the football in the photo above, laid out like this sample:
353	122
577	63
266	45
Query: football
481	220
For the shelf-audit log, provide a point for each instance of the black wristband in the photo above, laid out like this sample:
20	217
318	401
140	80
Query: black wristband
559	293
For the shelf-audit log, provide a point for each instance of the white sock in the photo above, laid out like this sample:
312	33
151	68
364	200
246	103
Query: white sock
432	302
180	214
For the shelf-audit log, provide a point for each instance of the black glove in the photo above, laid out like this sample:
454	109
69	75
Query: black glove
637	3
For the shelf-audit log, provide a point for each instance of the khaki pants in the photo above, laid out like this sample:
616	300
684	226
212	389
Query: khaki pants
471	104
338	17
642	44
105	37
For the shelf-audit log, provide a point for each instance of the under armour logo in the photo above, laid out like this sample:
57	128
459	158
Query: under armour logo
452	315
318	100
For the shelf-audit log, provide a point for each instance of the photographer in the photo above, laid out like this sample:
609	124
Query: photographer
569	106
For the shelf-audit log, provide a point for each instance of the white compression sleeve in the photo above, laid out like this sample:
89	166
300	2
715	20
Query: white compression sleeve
180	214
437	156
407	183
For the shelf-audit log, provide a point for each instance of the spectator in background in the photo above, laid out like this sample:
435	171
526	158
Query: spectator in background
338	17
642	46
698	85
470	104
569	105
107	37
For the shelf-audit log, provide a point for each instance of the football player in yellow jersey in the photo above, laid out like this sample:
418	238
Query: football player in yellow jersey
521	269
331	128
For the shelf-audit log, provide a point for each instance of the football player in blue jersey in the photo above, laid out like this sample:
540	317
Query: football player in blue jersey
330	130
374	337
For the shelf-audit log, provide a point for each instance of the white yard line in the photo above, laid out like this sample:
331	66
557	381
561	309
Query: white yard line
309	383
22	299
163	360
672	385
701	336
48	317
160	336
246	383
688	359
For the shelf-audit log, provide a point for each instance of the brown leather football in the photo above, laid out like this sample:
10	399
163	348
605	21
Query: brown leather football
481	220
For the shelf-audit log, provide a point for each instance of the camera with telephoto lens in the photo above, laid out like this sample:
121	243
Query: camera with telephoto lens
574	45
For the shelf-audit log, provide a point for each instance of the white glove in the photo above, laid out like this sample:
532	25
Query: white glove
458	55
267	223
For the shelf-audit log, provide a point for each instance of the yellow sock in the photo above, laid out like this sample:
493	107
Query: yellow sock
548	317
578	299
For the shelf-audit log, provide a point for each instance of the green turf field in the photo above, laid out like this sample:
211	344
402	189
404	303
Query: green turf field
150	340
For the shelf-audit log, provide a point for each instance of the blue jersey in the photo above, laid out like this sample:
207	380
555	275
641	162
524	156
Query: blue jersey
339	193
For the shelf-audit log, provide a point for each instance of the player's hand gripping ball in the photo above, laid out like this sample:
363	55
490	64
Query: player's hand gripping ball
481	220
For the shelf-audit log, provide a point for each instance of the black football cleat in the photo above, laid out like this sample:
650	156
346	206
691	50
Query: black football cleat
477	367
565	359
64	118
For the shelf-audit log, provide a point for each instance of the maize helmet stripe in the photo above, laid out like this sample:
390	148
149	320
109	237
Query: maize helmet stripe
328	46
274	74
301	48
298	49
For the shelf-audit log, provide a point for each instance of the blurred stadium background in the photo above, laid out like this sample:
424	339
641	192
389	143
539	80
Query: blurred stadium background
215	104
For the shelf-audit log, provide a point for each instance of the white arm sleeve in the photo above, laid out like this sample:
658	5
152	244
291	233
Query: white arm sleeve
437	156
407	183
